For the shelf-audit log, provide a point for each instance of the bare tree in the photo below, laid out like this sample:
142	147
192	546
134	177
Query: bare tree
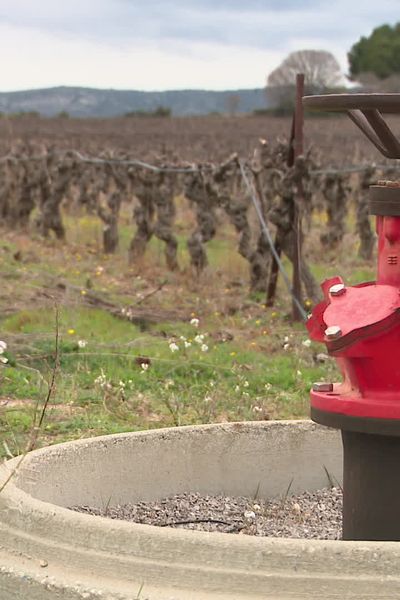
321	71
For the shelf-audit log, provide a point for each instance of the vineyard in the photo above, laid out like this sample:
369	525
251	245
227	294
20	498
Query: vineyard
40	181
135	266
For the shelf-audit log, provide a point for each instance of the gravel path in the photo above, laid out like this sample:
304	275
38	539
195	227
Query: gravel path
316	515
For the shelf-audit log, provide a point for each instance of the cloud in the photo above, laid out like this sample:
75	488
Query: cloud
142	66
259	23
173	43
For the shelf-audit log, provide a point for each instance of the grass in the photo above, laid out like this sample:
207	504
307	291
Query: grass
103	387
254	366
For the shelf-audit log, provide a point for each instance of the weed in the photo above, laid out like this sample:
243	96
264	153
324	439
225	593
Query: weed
193	360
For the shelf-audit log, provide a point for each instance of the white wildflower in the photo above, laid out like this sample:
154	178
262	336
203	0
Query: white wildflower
3	359
195	322
3	346
199	339
144	366
286	346
257	409
101	381
204	348
237	388
306	343
187	344
82	343
173	347
246	384
286	339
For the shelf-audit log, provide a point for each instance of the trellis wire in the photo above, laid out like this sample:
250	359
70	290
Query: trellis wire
180	169
268	236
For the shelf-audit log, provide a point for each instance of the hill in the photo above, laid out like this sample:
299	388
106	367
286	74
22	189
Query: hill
89	102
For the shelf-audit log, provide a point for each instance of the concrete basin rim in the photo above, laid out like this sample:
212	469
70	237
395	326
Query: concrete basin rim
240	427
13	496
106	555
97	524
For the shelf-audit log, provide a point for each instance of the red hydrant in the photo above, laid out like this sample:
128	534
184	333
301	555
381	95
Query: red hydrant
360	326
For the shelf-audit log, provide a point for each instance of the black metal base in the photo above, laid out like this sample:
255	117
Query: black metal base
371	487
371	475
358	424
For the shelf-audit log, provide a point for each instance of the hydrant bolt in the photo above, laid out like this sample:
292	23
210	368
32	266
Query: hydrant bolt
333	332
322	386
337	290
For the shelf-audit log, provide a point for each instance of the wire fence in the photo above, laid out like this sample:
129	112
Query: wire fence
268	237
183	168
246	171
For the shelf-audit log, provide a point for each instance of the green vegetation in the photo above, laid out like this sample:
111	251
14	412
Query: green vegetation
62	115
113	377
378	54
131	357
22	114
255	365
160	111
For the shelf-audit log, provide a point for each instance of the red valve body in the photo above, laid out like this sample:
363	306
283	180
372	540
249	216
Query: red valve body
368	348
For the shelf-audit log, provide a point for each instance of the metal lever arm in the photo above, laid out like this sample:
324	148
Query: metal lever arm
375	128
365	111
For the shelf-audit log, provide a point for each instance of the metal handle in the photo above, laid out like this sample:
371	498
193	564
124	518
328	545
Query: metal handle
365	110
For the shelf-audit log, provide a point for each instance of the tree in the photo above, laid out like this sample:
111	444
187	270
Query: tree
321	72
378	54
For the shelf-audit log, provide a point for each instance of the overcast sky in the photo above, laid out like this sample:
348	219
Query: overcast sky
167	44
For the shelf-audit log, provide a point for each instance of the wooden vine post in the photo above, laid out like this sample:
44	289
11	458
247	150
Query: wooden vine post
297	145
295	150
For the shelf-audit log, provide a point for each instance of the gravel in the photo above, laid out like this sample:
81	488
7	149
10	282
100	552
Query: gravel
311	515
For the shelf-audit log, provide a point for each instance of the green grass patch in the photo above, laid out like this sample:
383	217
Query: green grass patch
259	370
121	379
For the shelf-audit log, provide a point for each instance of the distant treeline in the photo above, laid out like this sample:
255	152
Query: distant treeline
160	111
164	112
24	114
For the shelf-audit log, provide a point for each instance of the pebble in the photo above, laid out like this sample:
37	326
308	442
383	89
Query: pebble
311	515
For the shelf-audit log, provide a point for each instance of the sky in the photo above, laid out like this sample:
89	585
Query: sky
166	44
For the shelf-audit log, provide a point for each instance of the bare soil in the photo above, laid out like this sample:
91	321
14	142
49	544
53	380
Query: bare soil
336	139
